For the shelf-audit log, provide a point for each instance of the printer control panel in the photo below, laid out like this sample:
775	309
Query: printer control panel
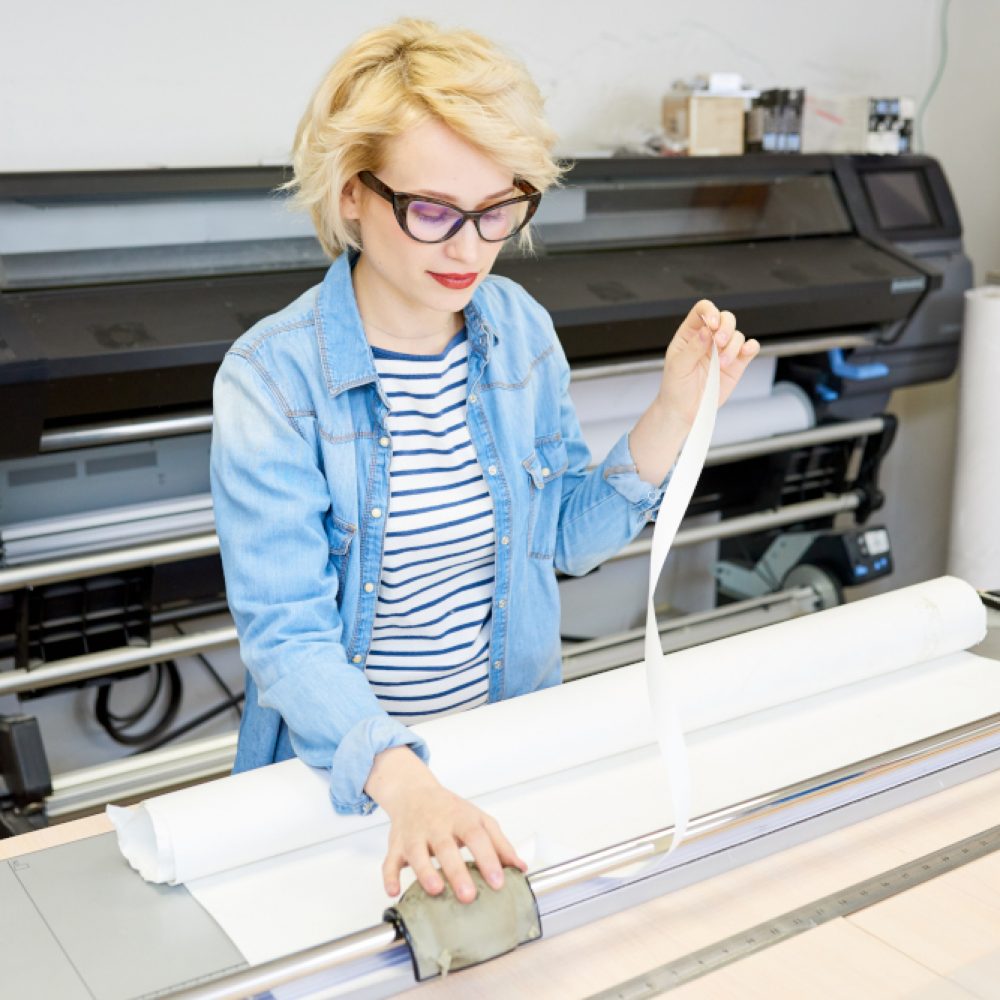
867	554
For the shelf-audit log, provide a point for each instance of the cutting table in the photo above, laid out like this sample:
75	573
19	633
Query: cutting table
76	922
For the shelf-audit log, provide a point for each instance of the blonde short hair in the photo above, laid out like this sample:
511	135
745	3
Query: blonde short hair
396	77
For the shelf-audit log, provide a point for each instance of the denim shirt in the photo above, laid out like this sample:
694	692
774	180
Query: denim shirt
300	481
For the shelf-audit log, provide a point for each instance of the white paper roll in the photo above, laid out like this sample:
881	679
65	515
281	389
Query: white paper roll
258	814
974	552
785	410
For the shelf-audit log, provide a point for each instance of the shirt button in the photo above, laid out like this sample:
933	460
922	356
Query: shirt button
472	397
546	472
498	664
384	441
356	658
492	470
369	587
376	511
502	603
505	540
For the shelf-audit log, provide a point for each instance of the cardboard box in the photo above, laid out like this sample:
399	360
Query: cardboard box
703	124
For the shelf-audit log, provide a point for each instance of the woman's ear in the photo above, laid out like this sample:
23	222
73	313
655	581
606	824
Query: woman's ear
350	199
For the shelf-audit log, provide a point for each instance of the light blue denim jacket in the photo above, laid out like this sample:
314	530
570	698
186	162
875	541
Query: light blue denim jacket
300	480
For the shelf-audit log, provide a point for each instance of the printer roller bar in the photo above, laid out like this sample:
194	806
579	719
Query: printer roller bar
935	753
110	661
200	421
153	552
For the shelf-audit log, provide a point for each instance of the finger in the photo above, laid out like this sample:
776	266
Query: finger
504	848
455	869
391	867
727	327
702	321
748	352
732	349
427	875
484	853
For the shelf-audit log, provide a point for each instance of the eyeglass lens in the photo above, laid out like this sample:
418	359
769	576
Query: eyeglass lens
426	220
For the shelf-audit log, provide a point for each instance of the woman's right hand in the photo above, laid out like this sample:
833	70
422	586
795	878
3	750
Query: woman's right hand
429	821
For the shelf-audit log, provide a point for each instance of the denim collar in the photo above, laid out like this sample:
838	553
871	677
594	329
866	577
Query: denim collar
344	350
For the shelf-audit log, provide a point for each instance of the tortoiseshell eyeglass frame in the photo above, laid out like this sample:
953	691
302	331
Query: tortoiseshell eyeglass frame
401	201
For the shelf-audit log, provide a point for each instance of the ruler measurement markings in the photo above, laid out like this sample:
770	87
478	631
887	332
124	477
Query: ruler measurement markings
843	903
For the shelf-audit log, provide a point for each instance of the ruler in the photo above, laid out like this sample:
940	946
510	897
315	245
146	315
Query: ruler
839	904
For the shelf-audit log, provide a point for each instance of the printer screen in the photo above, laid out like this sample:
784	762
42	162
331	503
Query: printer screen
900	199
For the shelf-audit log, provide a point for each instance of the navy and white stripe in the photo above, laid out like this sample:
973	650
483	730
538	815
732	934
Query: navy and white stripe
429	653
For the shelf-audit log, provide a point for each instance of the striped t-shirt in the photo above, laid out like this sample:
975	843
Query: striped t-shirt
429	653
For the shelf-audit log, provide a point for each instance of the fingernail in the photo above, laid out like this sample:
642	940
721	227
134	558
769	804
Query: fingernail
715	319
436	885
495	879
467	893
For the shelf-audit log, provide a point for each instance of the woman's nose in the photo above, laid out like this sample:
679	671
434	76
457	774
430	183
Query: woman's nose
464	245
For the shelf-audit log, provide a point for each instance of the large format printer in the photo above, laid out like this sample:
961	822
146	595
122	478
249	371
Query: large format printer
120	293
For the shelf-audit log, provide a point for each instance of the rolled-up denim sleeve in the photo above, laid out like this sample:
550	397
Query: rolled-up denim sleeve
602	508
272	507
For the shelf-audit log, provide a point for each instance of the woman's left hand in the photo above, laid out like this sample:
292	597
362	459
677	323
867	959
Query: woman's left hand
685	368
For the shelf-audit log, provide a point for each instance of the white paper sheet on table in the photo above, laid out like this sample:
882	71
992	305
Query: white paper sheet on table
289	902
586	771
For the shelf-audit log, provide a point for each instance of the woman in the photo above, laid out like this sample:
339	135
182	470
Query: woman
397	467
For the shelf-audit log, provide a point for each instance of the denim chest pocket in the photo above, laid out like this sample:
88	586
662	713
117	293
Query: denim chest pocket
340	534
545	466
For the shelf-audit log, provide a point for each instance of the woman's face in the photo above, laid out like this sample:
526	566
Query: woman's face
432	160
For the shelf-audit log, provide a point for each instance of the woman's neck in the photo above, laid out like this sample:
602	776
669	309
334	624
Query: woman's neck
399	326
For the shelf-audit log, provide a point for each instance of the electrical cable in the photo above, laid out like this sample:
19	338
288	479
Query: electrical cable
932	89
198	720
232	700
115	725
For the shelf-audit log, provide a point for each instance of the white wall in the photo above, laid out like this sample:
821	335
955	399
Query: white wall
122	83
115	83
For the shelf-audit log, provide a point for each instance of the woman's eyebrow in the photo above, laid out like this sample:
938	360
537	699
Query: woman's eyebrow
450	197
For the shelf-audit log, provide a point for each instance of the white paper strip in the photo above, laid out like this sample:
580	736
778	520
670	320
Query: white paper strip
663	696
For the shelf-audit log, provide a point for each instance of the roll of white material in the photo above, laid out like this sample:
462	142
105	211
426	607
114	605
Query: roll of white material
974	550
248	817
785	410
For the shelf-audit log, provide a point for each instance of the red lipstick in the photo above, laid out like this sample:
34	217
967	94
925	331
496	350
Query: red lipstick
454	280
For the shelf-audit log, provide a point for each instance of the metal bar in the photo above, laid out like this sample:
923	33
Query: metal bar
261	978
94	564
142	429
134	777
813	345
732	527
381	937
774	349
724	453
799	439
200	421
78	668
